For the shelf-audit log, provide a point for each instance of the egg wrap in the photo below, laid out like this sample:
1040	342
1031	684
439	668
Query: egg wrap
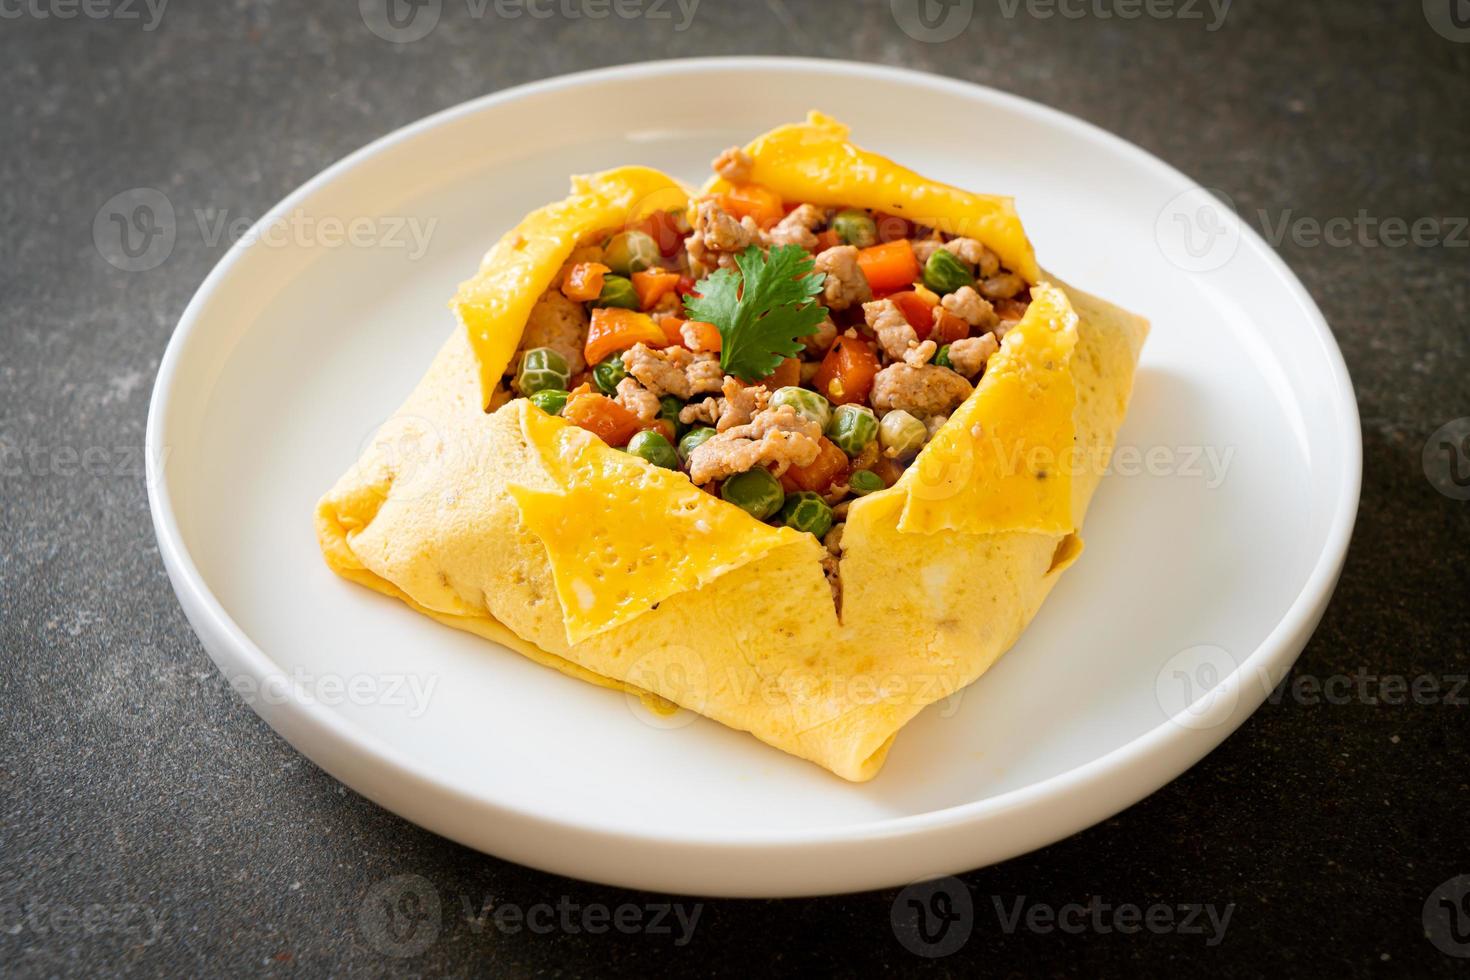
523	529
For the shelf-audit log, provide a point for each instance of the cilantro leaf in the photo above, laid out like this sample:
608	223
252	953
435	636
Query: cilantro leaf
763	311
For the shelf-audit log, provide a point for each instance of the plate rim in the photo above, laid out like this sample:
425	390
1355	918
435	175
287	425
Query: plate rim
302	721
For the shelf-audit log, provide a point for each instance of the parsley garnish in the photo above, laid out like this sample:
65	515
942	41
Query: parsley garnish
762	312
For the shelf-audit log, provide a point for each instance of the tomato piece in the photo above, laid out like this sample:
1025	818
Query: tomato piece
667	229
685	286
601	416
652	285
916	309
614	329
787	373
753	201
584	282
891	227
846	373
890	266
829	466
827	239
948	327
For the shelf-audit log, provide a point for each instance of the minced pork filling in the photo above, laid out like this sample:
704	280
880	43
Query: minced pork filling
787	357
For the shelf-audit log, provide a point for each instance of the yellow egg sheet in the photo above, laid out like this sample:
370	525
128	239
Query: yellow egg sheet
518	527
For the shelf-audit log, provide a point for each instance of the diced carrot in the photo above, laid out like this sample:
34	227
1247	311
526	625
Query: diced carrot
672	334
581	388
601	416
615	329
889	266
652	285
829	466
846	373
827	239
753	201
916	309
948	327
787	373
584	282
698	335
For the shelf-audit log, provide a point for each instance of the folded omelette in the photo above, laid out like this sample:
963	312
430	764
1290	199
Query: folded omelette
803	451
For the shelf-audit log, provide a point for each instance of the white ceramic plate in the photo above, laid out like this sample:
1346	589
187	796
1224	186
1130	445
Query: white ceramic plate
1201	583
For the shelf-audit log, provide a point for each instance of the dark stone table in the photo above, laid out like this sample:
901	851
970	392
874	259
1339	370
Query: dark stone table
150	823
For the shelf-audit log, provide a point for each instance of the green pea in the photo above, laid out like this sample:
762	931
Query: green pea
668	409
617	291
864	482
901	434
550	400
541	369
807	403
693	439
628	252
855	228
852	428
653	447
756	492
941	358
608	373
945	272
807	511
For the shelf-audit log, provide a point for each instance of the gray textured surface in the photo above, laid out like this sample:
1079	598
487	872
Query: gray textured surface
151	823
